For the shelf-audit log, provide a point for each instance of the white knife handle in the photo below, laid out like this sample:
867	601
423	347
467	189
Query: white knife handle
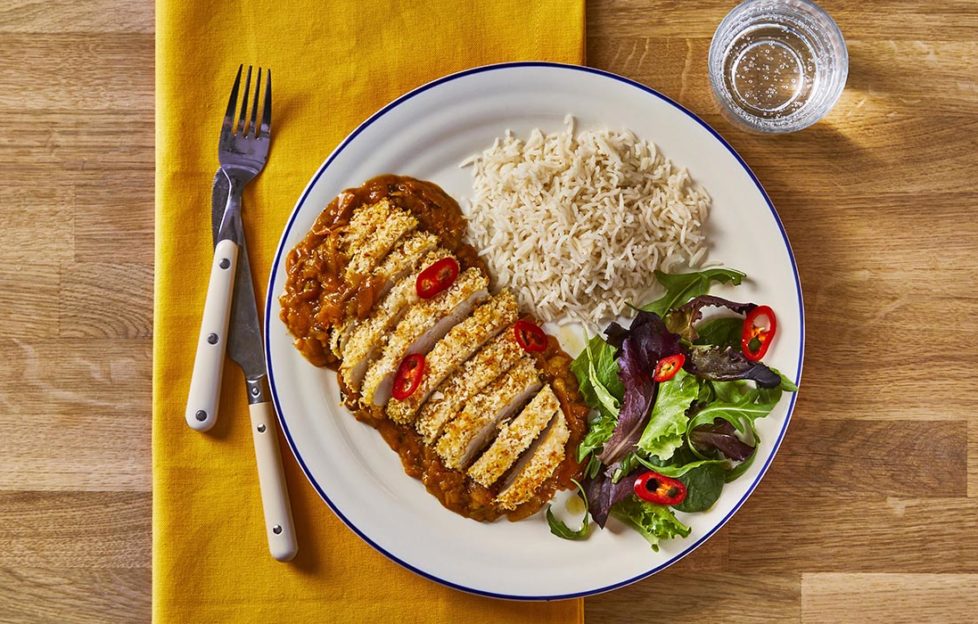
205	384
271	480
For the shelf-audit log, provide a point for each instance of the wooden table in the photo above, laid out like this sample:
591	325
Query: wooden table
869	513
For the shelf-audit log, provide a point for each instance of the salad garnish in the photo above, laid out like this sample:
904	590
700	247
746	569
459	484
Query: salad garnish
674	401
529	336
558	528
759	328
437	278
668	366
660	489
408	377
682	287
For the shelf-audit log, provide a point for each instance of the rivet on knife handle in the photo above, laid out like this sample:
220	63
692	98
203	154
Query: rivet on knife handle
205	384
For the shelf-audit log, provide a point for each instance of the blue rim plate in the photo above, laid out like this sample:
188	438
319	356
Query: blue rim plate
426	134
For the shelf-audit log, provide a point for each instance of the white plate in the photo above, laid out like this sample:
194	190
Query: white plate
426	134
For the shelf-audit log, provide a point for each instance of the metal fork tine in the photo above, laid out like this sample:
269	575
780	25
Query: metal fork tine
233	100
266	116
244	104
246	134
252	126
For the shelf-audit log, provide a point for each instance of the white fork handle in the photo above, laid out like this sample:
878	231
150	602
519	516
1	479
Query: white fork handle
205	384
271	480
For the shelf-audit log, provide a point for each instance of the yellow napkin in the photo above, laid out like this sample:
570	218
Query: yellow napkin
333	64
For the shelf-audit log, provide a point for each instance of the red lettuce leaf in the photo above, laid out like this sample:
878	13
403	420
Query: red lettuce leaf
695	306
640	347
680	320
602	494
726	364
723	438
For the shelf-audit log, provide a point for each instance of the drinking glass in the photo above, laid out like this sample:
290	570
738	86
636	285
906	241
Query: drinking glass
777	65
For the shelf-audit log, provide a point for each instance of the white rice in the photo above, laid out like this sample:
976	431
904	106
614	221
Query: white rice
575	224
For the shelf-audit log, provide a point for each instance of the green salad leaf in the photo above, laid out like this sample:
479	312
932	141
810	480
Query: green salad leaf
722	332
738	403
681	287
678	469
558	528
598	432
742	467
593	466
597	376
667	424
786	384
654	522
704	483
628	463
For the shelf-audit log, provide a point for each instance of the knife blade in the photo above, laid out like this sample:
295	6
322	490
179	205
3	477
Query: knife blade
244	332
245	348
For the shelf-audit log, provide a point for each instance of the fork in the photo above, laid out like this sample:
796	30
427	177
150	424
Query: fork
242	152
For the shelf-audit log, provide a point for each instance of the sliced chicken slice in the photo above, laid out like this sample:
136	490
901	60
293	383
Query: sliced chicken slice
366	340
515	437
339	333
423	325
498	356
399	263
536	465
365	256
365	222
405	259
470	431
455	348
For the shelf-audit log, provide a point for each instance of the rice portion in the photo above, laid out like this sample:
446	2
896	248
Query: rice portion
575	223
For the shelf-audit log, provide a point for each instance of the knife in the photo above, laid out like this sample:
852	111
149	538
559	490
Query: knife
244	346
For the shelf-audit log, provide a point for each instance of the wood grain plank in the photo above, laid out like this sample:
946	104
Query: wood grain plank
117	222
709	557
68	72
74	530
887	148
878	126
972	459
106	300
897	229
76	130
74	596
953	20
776	533
707	597
85	428
96	374
866	322
68	16
29	300
86	142
36	224
820	459
888	598
677	66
